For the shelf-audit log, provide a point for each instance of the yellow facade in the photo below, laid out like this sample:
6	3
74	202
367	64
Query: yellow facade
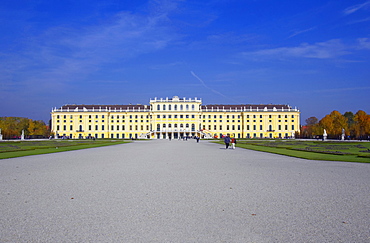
175	118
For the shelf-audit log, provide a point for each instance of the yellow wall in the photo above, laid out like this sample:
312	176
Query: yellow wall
166	118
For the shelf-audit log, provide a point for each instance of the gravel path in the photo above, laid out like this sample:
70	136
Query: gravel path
181	191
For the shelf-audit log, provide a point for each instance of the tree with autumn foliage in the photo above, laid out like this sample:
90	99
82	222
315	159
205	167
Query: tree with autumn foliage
333	124
361	125
310	129
11	127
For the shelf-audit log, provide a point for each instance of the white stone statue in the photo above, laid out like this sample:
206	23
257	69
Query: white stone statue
325	135
1	135
343	133
22	136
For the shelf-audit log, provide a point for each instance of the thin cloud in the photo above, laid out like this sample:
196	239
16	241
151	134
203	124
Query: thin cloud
359	21
214	91
301	32
355	8
321	50
62	54
339	90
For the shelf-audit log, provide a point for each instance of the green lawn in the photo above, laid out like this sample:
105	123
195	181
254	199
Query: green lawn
11	149
314	150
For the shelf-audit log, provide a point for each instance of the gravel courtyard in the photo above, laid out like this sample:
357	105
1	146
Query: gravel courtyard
182	191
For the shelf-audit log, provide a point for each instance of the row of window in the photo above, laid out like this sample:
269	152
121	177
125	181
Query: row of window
248	116
123	121
175	116
248	127
165	107
239	121
102	136
117	128
103	116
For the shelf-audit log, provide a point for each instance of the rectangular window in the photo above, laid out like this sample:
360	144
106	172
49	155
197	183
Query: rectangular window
293	127
64	127
239	127
71	127
220	127
112	128
117	127
102	127
260	127
96	128
89	127
247	127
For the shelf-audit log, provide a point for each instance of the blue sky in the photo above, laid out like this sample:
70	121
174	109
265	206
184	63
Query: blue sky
313	55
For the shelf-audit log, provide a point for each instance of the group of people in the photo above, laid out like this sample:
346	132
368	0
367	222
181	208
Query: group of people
229	140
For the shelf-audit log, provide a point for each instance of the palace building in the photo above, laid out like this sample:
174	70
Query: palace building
175	118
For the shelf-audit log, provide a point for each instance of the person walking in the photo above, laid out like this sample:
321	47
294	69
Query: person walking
233	142
227	141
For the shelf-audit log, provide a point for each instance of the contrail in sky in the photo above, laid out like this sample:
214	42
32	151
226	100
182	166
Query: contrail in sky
214	91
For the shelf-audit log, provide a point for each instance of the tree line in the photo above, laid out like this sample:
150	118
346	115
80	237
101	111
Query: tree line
11	127
356	126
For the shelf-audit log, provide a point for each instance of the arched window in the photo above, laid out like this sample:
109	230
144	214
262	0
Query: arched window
180	107
169	107
158	127
181	125
175	107
187	125
192	107
164	107
158	107
187	107
192	127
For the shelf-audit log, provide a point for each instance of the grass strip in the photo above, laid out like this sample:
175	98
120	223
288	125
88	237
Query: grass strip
26	148
296	149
